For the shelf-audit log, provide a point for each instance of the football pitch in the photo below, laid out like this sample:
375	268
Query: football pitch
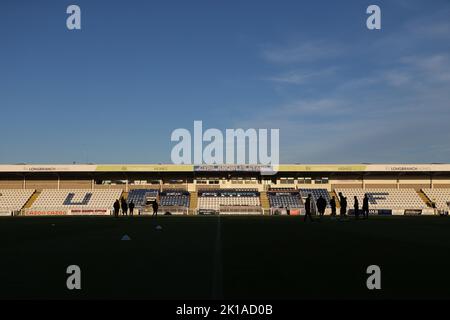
224	258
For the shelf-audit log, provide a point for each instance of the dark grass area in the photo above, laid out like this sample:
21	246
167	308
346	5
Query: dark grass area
250	258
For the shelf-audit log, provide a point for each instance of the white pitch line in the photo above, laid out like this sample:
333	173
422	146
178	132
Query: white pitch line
217	274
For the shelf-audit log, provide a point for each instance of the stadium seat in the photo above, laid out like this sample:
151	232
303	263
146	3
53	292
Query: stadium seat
139	196
315	194
214	199
76	199
14	199
170	198
440	196
287	198
384	198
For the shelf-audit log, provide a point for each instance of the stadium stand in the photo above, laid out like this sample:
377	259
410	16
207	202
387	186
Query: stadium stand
287	198
381	198
174	198
392	188
67	199
440	196
234	201
13	200
140	197
315	194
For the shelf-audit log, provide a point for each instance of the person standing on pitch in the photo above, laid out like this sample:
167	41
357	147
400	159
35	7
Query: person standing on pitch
155	208
131	206
356	207
124	207
321	205
333	206
365	207
343	201
116	208
308	208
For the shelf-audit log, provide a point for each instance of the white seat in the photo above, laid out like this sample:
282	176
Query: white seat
384	198
440	196
80	199
14	199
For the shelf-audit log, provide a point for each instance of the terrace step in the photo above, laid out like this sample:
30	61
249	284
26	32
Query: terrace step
424	197
32	199
265	204
336	197
193	202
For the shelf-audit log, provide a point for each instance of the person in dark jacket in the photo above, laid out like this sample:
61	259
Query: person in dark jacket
321	204
333	206
365	207
131	206
116	208
308	208
343	201
155	208
356	207
124	207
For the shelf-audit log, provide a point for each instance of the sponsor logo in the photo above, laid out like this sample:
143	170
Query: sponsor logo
46	213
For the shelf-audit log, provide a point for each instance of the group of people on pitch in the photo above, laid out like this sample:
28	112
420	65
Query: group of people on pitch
321	205
126	207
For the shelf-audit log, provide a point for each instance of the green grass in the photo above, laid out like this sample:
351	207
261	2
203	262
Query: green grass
250	258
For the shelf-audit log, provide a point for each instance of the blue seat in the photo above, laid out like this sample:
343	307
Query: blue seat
138	196
316	193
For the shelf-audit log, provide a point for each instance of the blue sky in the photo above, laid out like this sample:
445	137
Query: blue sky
114	91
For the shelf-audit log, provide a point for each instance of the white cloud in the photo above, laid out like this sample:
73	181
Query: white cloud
394	107
435	26
300	52
323	106
368	119
397	78
301	77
